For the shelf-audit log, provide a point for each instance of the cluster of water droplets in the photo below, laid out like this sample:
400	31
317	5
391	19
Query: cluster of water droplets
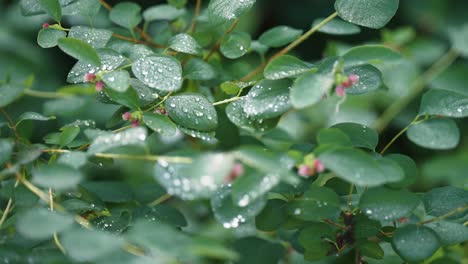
132	136
160	72
88	123
268	99
97	38
237	115
110	60
279	71
263	185
185	43
192	111
208	137
229	9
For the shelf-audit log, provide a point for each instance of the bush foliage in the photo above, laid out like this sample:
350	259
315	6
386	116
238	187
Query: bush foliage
181	137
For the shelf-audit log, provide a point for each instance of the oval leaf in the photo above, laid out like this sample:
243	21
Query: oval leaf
367	13
160	72
435	134
79	50
192	111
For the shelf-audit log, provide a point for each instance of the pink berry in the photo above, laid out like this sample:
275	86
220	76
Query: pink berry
45	25
99	86
160	111
318	165
89	77
354	78
346	84
135	123
340	91
236	171
127	116
305	171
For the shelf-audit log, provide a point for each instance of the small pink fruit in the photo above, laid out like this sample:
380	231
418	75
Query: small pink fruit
305	171
126	116
354	78
160	111
236	171
45	25
89	77
99	86
135	123
346	84
318	166
340	91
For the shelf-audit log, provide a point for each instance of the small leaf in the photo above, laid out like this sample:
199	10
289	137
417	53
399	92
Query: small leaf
221	11
197	69
313	240
268	99
337	26
118	81
435	201
285	66
387	205
367	13
370	79
10	92
160	72
361	136
40	223
192	111
106	141
435	134
444	103
279	36
33	116
310	88
235	45
185	43
160	123
126	14
53	9
56	176
68	135
48	37
371	54
79	50
315	204
415	243
162	12
97	38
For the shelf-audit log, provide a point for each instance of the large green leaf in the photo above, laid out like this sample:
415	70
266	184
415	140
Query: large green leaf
107	141
185	43
192	111
415	243
97	38
285	66
310	88
159	72
450	233
279	36
53	9
435	201
197	69
224	10
387	205
337	26
361	136
117	80
56	176
268	99
79	50
126	14
160	123
368	13
435	134
48	37
316	204
236	114
444	103
370	79
40	223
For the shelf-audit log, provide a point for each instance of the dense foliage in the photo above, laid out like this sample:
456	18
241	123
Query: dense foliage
181	138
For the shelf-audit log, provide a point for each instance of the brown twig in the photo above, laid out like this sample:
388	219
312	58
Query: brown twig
218	42
10	121
195	16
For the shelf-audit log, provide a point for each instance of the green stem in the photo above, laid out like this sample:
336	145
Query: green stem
160	103
46	95
414	122
160	200
418	86
233	99
218	43
442	217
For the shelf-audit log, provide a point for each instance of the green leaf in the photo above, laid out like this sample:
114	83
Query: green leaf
360	168
33	116
285	66
315	204
333	136
449	233
185	43
126	14
444	103
361	136
6	148
387	205
82	244
162	12
208	137
40	223
197	69
235	45
253	185
268	99
224	10
118	81
79	50
310	88
161	213
199	179
337	26
409	167
272	216
10	92
237	115
68	135
371	54
435	201
53	9
213	249
230	214
48	37
279	36
435	134
312	239
367	13
160	72
74	159
160	123
459	39
370	79
85	8
252	250
415	243
127	98
59	177
371	250
110	191
192	111
97	38
177	3
107	141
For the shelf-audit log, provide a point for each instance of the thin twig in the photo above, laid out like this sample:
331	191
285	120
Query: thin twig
195	16
442	217
10	121
56	239
334	224
6	211
218	43
160	200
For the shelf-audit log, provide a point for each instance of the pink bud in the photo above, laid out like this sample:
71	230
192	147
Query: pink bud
236	171
45	25
99	86
346	84
305	171
354	78
135	123
89	77
160	111
126	116
340	91
318	166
